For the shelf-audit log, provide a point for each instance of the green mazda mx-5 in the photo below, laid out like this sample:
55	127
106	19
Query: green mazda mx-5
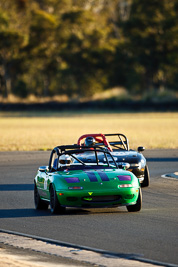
70	182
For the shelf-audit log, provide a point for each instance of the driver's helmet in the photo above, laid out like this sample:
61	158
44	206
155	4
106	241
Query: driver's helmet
65	160
90	141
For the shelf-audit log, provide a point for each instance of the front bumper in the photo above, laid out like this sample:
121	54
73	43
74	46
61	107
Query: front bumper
85	199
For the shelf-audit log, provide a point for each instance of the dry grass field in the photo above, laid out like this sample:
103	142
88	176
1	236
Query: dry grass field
44	131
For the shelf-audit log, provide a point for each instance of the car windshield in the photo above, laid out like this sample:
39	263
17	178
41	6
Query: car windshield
88	167
93	159
89	157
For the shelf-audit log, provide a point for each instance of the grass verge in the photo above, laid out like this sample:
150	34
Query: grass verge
43	131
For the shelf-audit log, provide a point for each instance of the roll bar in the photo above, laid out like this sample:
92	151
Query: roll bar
73	150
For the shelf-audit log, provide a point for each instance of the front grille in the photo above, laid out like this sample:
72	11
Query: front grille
96	199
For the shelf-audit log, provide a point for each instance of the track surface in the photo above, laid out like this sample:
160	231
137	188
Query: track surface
151	233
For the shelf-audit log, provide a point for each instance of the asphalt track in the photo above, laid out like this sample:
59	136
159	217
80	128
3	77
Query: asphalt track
150	234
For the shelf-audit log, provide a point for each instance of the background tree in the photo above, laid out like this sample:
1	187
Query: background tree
150	41
86	53
79	47
10	45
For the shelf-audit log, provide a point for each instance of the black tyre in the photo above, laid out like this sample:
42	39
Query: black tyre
138	205
39	203
146	180
54	203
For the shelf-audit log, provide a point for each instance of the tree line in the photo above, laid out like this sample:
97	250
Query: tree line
78	47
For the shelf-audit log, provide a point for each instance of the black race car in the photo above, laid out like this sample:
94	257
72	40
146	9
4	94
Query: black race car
121	152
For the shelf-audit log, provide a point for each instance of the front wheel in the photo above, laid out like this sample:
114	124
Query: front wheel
54	203
138	205
146	180
39	203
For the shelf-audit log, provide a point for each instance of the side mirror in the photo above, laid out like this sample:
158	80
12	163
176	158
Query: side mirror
43	169
141	148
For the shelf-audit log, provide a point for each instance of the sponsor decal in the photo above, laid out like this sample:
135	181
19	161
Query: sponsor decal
118	153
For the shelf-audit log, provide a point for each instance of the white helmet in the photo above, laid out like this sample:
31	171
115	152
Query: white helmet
65	160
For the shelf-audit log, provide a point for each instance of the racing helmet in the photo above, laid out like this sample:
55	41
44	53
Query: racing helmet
65	160
90	141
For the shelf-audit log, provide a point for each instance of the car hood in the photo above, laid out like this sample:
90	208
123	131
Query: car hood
119	156
128	156
93	179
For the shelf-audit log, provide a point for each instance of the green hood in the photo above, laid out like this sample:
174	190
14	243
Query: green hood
94	179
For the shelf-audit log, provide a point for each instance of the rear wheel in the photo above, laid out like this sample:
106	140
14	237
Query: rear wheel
146	180
54	203
138	205
39	203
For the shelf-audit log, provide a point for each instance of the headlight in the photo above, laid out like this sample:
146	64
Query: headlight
137	165
124	177
134	165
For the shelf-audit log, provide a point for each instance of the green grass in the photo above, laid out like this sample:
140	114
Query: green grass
43	131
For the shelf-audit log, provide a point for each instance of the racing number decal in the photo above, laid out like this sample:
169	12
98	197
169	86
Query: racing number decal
93	178
45	184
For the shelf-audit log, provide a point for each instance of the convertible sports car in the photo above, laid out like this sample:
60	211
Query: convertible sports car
122	153
68	181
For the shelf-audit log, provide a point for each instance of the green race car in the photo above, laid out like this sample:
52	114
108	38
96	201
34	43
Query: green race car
70	182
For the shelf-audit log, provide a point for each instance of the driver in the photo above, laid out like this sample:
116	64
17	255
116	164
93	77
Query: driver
90	141
65	161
